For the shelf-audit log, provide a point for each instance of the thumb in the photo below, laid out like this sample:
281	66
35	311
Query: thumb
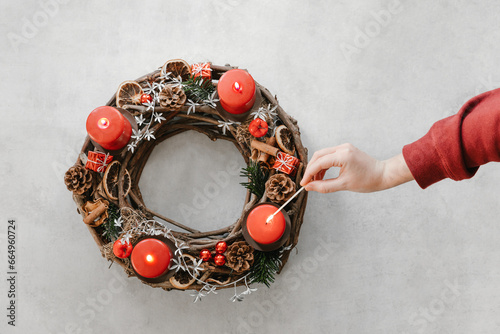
326	186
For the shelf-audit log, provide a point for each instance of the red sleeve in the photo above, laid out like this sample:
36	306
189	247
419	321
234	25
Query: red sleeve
456	146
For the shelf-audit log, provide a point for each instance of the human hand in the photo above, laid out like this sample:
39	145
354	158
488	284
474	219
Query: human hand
359	172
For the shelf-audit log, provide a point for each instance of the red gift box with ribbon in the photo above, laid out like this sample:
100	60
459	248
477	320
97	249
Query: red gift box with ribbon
202	70
286	163
98	162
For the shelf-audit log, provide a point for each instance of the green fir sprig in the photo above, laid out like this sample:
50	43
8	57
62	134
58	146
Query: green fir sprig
265	266
111	231
198	89
257	178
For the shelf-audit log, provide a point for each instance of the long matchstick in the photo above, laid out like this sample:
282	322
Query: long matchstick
281	208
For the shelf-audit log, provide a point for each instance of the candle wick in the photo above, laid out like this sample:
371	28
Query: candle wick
103	123
237	87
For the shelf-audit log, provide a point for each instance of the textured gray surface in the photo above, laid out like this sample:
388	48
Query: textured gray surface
399	261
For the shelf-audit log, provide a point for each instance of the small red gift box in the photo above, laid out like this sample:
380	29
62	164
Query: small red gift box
202	69
286	163
98	162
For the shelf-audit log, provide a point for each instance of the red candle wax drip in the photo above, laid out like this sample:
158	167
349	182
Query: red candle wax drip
236	89
109	128
263	231
151	258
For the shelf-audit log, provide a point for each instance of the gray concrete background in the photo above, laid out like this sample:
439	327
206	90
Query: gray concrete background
400	261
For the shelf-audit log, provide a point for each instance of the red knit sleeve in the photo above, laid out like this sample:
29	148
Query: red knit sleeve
456	146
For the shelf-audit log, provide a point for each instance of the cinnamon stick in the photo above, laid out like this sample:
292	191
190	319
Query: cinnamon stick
271	141
95	213
263	147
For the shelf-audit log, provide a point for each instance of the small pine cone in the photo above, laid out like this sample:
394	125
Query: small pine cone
78	179
279	188
243	134
239	256
172	97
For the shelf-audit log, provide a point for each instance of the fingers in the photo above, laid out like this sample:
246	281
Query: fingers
319	167
322	152
328	150
312	173
320	175
327	186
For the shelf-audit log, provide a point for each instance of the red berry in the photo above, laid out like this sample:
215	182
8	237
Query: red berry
122	250
219	259
205	255
220	247
258	128
145	98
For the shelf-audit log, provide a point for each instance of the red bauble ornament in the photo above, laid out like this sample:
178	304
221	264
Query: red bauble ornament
145	98
220	247
258	128
122	250
205	255
219	259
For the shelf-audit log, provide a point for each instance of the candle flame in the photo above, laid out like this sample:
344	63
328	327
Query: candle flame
149	258
237	87
103	123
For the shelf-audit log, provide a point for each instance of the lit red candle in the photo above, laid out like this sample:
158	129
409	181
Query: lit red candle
109	128
237	91
151	258
260	229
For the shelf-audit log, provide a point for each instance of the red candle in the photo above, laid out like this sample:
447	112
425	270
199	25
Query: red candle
236	89
262	231
151	258
109	128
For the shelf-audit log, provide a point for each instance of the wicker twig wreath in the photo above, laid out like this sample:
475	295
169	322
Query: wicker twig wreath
179	97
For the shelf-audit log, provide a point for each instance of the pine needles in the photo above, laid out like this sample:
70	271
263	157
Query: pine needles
111	231
198	89
265	266
256	178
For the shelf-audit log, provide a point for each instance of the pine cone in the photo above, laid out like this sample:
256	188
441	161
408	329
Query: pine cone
243	134
78	179
239	256
172	97
280	188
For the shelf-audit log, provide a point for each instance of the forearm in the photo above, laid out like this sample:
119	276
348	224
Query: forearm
396	172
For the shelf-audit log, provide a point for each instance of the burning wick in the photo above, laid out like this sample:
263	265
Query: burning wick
237	87
149	258
291	198
103	123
